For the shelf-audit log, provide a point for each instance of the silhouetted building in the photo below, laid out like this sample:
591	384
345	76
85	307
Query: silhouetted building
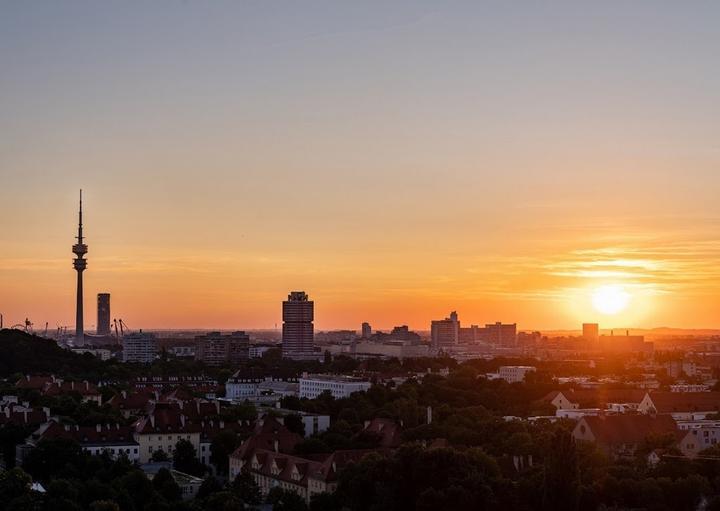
366	330
215	349
472	334
103	314
297	335
500	333
79	263
445	332
139	347
591	332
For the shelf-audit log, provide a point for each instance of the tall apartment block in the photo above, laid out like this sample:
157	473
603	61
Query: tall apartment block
139	347
445	332
297	334
366	331
215	349
103	314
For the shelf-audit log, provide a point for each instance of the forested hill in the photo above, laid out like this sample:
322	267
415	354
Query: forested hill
24	353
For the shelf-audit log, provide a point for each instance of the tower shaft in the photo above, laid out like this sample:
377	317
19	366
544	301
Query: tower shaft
79	263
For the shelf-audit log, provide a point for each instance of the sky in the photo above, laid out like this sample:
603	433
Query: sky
395	160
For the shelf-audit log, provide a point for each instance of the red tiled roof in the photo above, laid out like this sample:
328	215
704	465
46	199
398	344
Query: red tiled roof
102	434
268	431
388	430
599	398
628	429
670	402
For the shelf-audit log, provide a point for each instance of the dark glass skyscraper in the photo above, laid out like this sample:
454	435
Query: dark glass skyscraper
103	314
298	315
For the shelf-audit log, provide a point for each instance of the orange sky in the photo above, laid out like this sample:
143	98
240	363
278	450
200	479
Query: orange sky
395	162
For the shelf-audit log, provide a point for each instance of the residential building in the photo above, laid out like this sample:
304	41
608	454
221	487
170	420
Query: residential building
215	349
681	405
298	330
621	435
696	440
311	386
162	428
514	374
139	347
113	439
500	334
366	330
445	332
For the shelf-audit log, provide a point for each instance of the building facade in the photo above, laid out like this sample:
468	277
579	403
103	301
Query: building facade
139	347
103	314
445	332
298	329
215	349
312	386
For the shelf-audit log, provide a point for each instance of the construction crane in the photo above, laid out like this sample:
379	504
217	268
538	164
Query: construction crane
123	327
28	325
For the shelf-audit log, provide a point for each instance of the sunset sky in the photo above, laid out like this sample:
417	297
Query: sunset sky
395	160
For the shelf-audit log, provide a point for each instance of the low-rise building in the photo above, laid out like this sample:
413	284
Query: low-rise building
696	440
681	405
621	435
311	386
514	374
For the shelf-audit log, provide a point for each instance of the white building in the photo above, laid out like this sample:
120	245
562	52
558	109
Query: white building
139	347
514	374
100	353
339	386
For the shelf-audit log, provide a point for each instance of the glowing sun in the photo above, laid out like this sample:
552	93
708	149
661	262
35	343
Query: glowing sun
610	299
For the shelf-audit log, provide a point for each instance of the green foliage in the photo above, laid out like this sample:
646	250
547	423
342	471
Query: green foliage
283	500
221	448
185	459
245	487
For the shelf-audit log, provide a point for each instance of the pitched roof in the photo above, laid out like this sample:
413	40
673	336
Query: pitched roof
628	429
669	402
388	430
599	398
98	435
267	431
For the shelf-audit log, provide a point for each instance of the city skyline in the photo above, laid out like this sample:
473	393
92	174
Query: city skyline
507	162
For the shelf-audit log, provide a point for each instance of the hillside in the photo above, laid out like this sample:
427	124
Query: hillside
21	352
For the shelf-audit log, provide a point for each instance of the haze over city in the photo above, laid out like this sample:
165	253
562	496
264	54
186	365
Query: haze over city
539	164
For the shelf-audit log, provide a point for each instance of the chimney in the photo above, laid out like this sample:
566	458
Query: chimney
277	404
429	414
98	427
276	445
124	394
182	420
152	420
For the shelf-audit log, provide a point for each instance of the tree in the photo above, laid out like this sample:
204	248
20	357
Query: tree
159	456
53	457
561	474
295	423
221	448
223	501
245	487
185	459
284	500
165	484
14	483
104	505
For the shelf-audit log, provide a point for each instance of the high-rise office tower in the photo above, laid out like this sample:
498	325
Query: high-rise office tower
103	314
297	335
366	330
79	263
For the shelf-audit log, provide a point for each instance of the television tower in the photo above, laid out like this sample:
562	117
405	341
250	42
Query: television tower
79	263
